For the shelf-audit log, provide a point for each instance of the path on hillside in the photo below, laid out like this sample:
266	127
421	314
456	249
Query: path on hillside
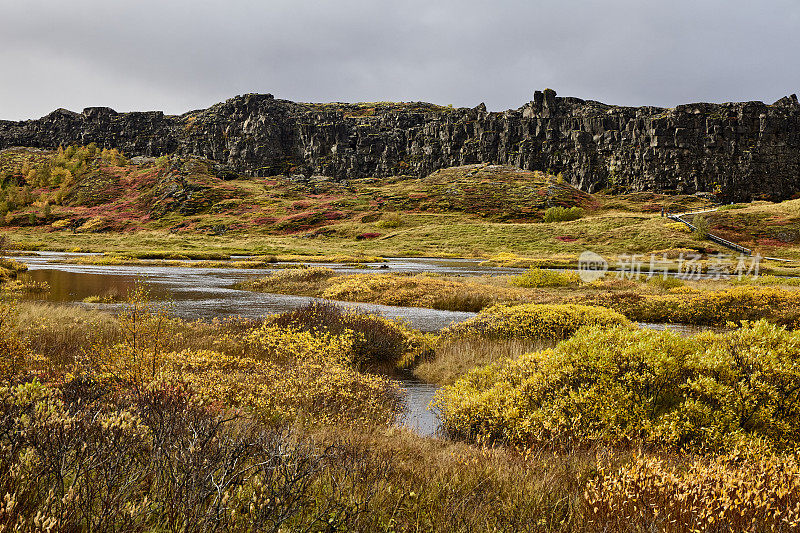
711	237
678	217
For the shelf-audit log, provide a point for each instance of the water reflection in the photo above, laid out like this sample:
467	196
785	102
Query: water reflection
417	416
206	293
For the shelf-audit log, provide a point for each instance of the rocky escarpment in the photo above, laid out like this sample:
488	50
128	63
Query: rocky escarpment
739	150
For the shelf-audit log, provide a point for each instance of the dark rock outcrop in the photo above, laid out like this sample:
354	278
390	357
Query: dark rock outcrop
740	150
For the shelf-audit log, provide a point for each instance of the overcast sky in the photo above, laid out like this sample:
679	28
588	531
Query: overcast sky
188	54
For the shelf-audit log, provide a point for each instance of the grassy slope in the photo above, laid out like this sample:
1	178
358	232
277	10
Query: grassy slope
476	210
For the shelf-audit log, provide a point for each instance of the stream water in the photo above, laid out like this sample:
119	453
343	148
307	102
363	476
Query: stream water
205	293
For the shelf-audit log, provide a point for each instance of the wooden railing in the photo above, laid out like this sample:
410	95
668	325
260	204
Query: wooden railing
713	238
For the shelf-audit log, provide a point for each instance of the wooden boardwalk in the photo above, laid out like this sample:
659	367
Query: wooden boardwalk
711	237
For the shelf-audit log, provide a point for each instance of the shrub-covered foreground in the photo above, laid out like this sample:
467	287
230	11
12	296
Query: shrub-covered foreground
81	457
158	425
714	418
150	423
739	491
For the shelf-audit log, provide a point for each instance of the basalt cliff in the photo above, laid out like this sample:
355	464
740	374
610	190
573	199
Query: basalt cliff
740	151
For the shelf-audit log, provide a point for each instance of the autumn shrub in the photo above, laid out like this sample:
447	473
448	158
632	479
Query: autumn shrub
284	345
535	321
375	340
164	461
679	227
706	307
562	214
313	390
733	492
541	278
272	372
283	375
621	385
701	227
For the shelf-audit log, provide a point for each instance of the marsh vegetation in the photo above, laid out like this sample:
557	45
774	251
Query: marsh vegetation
555	416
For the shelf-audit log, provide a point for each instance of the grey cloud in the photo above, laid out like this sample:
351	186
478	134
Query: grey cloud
181	54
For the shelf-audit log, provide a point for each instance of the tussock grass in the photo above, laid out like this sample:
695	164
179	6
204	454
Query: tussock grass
423	290
535	321
539	278
454	356
61	333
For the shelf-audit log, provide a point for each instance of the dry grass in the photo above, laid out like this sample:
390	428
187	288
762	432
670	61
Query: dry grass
423	290
455	356
439	485
60	333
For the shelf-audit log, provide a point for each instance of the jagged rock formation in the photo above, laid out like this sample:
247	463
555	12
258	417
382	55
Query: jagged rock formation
739	150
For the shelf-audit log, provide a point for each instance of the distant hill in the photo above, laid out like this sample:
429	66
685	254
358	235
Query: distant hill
86	189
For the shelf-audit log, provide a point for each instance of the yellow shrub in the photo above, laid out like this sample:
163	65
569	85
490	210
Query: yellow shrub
539	278
536	321
61	224
730	493
312	390
687	305
678	226
710	391
271	342
93	225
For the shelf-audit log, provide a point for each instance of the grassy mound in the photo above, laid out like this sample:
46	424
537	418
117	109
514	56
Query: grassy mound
540	278
376	342
497	192
535	321
423	290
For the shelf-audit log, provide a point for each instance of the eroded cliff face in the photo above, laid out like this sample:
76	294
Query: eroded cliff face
740	150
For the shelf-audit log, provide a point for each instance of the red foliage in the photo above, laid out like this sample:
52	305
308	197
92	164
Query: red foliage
333	215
